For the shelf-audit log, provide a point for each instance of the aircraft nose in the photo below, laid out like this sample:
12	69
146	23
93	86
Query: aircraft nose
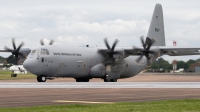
31	65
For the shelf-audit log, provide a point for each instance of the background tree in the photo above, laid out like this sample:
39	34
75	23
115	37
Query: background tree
161	63
11	59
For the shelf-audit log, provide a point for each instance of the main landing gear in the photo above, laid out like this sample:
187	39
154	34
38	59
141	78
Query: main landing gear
82	80
109	80
41	78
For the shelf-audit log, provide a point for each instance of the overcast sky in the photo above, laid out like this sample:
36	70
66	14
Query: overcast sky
81	22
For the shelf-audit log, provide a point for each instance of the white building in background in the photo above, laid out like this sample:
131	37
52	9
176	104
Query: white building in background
180	70
18	69
1	63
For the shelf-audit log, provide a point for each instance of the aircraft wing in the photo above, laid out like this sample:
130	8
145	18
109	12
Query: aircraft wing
171	51
179	51
4	51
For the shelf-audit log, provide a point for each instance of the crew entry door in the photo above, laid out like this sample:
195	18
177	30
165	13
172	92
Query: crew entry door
42	60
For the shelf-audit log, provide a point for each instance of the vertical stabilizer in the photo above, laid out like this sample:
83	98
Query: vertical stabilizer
156	29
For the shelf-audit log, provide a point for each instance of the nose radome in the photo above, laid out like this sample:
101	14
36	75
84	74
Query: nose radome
26	64
31	65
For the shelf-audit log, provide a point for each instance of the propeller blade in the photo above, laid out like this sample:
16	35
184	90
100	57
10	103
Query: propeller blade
41	42
142	41
150	44
148	41
152	52
20	46
15	51
115	43
13	43
106	42
138	60
8	49
51	42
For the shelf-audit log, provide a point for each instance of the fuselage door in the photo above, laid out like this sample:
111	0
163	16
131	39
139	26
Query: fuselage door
81	65
42	60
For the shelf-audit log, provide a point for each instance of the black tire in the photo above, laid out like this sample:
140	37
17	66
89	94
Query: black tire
82	80
79	80
41	78
86	80
113	80
106	80
38	78
110	80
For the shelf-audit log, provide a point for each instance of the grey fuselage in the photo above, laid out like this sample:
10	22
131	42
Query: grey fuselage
79	62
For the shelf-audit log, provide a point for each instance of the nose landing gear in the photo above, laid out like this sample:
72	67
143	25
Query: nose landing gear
41	78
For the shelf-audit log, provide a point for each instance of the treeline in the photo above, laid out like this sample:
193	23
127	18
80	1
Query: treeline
10	59
161	63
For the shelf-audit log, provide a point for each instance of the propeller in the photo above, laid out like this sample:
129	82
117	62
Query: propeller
146	48
15	51
50	43
111	51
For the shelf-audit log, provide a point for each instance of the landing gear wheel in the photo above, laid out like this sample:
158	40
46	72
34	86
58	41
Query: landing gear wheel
113	80
106	80
41	78
78	80
82	80
86	80
109	80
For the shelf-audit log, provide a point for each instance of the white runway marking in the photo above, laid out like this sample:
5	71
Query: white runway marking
101	85
69	101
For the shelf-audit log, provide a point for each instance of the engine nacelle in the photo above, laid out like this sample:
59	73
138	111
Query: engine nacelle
121	54
98	71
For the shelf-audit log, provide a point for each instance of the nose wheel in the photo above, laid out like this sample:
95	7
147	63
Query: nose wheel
41	78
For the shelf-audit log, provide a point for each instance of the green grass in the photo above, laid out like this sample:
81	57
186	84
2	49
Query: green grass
6	75
153	106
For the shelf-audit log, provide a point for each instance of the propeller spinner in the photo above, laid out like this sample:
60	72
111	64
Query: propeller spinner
15	51
146	48
111	51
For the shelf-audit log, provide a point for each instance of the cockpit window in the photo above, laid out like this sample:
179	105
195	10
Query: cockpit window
33	51
47	52
44	52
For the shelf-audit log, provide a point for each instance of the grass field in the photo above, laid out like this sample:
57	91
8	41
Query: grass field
6	75
153	106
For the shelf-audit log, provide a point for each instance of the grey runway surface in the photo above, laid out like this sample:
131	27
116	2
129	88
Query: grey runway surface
143	87
100	85
22	97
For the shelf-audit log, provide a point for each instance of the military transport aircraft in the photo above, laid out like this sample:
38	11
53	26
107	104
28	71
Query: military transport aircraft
109	63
